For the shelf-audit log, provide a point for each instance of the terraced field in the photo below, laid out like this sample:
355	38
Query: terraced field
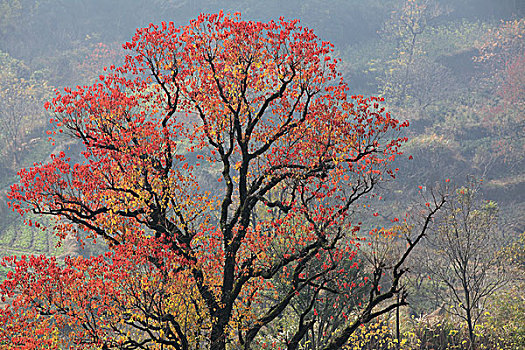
17	238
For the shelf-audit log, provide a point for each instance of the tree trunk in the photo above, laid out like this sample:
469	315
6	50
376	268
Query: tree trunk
398	333
470	329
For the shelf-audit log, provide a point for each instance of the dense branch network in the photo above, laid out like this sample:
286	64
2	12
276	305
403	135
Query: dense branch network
258	107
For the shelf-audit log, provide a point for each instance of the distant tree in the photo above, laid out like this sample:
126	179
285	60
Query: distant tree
466	255
22	95
503	45
10	14
98	55
503	54
261	107
405	28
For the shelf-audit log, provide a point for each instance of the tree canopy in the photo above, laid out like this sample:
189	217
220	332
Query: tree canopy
223	164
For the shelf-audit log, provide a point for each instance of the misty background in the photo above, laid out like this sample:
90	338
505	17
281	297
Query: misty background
458	76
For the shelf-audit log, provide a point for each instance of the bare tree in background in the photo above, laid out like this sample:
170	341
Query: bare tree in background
405	27
21	109
465	256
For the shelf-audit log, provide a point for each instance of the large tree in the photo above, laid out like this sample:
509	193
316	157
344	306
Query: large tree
223	163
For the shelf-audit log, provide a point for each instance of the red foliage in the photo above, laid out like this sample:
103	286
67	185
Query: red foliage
258	106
